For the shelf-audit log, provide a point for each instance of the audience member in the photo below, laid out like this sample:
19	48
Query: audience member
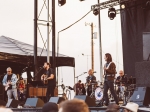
3	109
50	107
113	107
74	105
131	107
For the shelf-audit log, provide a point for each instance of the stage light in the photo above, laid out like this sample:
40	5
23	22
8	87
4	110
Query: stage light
61	2
95	12
111	13
122	6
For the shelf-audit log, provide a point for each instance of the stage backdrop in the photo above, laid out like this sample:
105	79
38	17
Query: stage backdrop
135	19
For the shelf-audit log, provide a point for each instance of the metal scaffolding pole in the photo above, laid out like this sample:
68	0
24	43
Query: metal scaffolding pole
48	40
35	38
100	45
53	36
92	47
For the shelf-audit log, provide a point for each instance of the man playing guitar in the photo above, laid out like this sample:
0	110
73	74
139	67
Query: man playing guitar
89	81
9	81
49	76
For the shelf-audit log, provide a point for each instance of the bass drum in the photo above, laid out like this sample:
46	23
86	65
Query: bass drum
98	94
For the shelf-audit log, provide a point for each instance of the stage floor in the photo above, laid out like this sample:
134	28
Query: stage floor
92	109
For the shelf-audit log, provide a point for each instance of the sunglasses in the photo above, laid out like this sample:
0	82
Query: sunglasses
8	71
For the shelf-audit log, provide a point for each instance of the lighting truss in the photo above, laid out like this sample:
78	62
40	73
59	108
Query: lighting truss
109	4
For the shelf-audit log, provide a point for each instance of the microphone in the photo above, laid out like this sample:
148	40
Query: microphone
84	72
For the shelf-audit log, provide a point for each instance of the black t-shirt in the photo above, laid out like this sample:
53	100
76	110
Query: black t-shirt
9	79
51	82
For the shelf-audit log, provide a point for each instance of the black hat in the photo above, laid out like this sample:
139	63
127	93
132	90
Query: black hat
50	107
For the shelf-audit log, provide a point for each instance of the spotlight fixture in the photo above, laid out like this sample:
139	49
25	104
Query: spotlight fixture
61	2
95	12
123	6
111	13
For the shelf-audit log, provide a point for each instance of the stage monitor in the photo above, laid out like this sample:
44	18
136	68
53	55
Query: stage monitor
146	46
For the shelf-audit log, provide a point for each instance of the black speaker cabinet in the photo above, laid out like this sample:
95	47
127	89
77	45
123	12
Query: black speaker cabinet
141	96
56	100
88	100
12	103
34	102
2	103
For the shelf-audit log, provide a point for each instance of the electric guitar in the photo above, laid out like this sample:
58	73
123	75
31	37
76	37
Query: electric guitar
7	85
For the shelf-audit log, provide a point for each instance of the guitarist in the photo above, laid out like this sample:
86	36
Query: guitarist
9	81
50	77
109	76
89	80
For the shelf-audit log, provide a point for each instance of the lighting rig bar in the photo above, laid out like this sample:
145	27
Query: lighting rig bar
109	4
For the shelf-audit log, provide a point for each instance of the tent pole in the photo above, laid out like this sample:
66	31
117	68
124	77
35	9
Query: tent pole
35	38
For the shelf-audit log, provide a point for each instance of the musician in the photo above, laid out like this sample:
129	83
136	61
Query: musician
121	81
21	88
77	87
109	76
50	77
89	81
9	81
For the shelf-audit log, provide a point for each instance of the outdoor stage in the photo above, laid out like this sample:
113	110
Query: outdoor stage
92	109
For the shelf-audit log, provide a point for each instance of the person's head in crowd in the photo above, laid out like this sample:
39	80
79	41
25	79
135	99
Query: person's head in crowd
50	107
113	107
3	109
130	107
74	105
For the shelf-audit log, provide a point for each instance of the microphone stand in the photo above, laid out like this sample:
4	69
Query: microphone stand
80	75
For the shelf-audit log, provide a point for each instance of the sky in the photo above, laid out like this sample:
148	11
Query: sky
16	22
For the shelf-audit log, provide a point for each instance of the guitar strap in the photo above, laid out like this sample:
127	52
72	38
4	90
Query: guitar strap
107	66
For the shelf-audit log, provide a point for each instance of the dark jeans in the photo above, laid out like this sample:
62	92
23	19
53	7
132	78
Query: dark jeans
89	90
109	85
50	92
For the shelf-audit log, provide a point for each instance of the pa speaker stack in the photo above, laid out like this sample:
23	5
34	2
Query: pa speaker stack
34	103
56	100
141	96
12	103
88	100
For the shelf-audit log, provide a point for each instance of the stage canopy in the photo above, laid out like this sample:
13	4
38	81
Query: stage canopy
18	55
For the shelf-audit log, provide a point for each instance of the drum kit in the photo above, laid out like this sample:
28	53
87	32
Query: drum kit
98	88
97	92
